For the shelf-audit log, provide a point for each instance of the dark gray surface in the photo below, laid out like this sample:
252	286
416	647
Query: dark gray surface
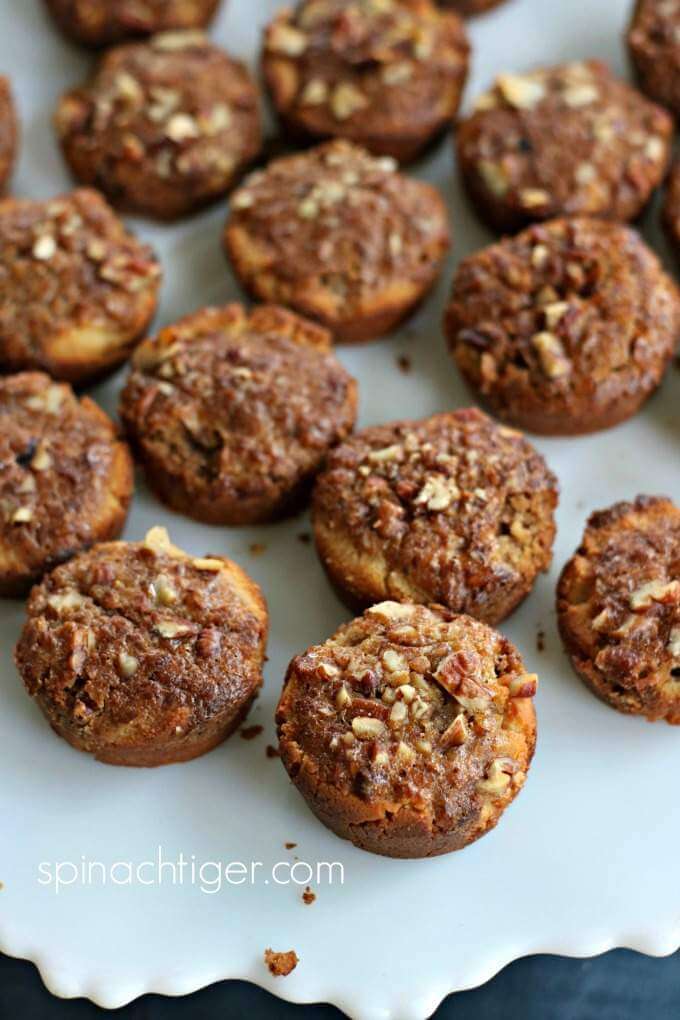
618	986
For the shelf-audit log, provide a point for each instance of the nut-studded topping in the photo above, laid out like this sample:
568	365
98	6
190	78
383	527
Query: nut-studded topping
128	664
551	354
497	780
366	728
655	591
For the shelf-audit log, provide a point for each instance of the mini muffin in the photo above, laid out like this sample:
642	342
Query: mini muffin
654	47
566	328
670	212
618	607
140	654
65	478
410	730
453	509
162	127
338	235
102	22
78	290
387	74
8	133
570	140
232	412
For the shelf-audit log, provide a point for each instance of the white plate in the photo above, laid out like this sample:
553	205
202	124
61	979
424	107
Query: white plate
583	861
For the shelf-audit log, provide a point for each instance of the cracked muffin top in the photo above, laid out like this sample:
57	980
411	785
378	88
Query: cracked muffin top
162	126
65	477
619	607
564	140
237	409
566	327
452	509
78	289
409	710
385	73
102	22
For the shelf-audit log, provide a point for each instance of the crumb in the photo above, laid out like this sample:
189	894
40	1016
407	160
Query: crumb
257	548
250	732
272	752
290	846
308	896
304	537
281	964
540	640
404	362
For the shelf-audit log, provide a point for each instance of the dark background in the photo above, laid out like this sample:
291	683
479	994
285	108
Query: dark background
620	985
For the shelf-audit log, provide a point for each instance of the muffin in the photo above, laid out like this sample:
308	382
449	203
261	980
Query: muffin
162	127
78	289
233	412
338	235
140	654
452	509
65	478
566	328
410	730
9	130
386	74
566	140
618	607
654	48
102	22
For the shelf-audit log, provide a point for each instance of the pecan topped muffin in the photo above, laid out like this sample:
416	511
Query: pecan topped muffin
570	139
233	412
78	289
65	477
567	327
618	606
654	46
338	235
163	126
8	132
387	74
452	509
102	22
143	655
410	730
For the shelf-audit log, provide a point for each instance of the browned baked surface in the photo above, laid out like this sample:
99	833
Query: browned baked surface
162	127
618	607
670	211
567	327
410	730
387	74
571	140
65	477
77	289
232	412
340	236
452	509
654	47
102	22
142	655
9	130
470	7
